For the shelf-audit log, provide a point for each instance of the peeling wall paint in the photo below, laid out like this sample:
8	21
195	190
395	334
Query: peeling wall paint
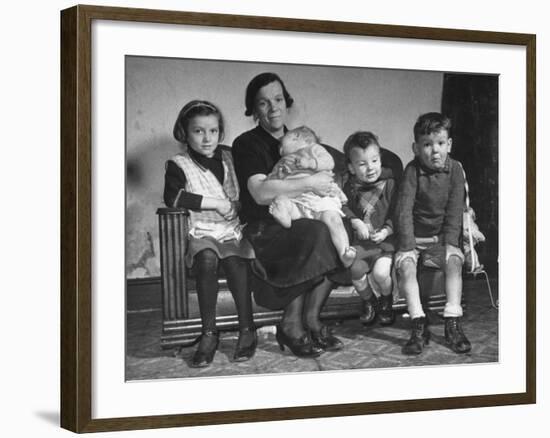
334	101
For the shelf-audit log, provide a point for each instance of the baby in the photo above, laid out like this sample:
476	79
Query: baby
302	156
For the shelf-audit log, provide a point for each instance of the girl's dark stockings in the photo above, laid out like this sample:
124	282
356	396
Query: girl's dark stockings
236	271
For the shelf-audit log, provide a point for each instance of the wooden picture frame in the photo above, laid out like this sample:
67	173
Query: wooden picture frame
76	218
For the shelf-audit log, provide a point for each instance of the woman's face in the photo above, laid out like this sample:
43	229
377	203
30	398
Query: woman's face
270	108
203	133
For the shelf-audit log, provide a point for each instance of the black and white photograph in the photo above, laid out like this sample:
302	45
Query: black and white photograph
275	218
298	218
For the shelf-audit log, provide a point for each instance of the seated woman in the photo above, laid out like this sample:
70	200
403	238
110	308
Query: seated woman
291	266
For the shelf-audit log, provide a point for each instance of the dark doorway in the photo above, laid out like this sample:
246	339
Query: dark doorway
471	101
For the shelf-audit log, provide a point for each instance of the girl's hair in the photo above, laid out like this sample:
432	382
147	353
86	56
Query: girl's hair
431	122
258	82
360	139
193	109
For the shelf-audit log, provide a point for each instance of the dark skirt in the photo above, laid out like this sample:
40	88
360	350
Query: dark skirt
291	261
229	248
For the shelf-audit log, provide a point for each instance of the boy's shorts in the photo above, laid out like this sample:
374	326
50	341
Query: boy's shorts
434	255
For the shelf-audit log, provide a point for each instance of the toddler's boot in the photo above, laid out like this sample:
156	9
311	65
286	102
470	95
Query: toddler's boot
369	310
386	316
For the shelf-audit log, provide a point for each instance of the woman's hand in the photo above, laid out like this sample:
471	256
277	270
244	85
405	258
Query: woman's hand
361	229
321	183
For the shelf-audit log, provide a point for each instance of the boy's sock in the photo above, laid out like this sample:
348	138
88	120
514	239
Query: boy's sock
373	285
362	287
452	310
414	306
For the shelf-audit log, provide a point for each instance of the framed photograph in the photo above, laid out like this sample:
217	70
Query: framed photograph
147	337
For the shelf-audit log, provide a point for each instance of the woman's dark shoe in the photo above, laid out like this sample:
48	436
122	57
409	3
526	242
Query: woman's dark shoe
325	340
246	344
455	337
301	347
386	315
208	345
369	310
420	337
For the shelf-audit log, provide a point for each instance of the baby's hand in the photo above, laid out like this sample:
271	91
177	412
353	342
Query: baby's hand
284	167
380	235
361	229
305	163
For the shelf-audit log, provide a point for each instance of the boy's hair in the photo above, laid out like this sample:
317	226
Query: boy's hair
431	122
261	81
360	139
306	133
193	109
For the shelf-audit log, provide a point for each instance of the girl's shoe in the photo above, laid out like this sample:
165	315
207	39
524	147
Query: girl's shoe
300	347
246	344
208	345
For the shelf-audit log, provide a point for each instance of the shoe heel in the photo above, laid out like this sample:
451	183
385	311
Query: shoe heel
427	338
279	340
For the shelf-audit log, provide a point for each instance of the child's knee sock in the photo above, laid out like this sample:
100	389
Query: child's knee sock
414	307
452	310
362	287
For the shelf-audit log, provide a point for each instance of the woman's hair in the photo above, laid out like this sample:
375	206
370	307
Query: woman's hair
193	109
431	122
360	139
258	82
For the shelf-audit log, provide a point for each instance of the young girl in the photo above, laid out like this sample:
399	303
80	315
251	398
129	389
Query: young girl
371	192
202	179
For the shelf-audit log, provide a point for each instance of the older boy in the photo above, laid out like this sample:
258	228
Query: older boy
429	211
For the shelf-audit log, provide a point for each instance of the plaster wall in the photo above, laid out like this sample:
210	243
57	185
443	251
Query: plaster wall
334	101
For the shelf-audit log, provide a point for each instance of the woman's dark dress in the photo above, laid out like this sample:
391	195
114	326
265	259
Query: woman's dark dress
289	262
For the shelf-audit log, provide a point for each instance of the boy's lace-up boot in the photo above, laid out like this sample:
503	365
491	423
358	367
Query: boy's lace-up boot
420	336
455	337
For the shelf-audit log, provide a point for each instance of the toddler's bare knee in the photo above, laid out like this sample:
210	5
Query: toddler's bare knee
380	273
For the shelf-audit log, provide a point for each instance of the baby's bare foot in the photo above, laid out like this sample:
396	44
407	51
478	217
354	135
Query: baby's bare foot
348	256
279	212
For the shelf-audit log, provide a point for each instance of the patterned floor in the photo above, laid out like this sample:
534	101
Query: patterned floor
365	347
